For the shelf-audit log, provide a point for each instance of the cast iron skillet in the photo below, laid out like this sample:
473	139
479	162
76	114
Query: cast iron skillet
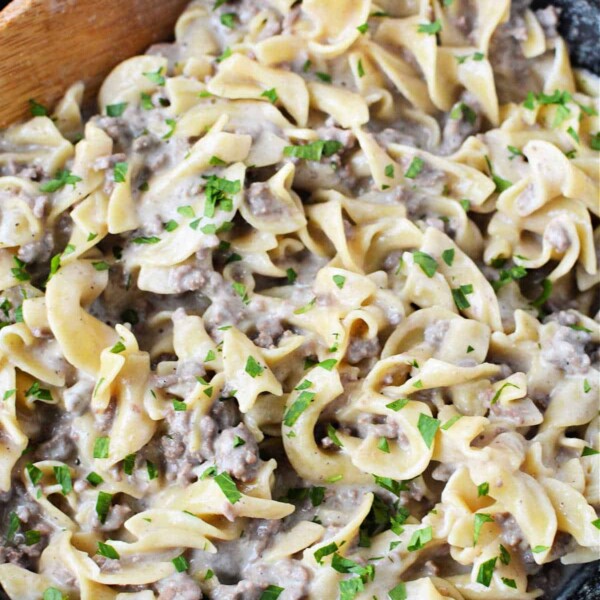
580	27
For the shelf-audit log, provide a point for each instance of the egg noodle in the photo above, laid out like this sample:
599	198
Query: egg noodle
308	311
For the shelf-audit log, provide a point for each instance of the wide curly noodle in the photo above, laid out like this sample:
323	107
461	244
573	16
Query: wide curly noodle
308	311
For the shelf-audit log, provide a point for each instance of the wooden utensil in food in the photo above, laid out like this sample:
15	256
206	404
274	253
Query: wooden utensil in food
46	45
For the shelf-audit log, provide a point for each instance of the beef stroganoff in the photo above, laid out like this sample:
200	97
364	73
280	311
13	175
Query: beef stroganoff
308	311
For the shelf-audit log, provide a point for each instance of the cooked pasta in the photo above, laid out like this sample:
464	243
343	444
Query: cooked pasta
308	310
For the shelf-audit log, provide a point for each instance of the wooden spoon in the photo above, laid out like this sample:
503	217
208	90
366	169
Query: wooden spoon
47	45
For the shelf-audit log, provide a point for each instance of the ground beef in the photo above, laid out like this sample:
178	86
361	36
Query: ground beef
60	446
262	202
244	590
360	348
179	586
288	574
565	348
38	251
236	452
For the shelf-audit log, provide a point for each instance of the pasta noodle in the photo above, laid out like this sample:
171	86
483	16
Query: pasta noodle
308	311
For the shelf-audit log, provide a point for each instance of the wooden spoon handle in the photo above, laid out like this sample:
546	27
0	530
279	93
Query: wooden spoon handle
47	45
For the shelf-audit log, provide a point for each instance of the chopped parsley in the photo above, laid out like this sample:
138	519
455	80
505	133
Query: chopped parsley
107	551
291	275
587	451
146	240
450	422
325	77
271	95
33	536
327	364
101	446
459	296
539	549
314	150
36	109
363	28
350	587
325	551
339	280
415	167
397	405
428	427
103	503
118	348
304	309
298	407
39	393
129	464
486	571
419	538
501	184
427	263
120	172
100	265
430	28
62	474
146	101
544	294
116	110
172	124
238	441
514	152
332	435
480	519
462	110
19	271
398	592
240	290
509	582
499	392
13	526
483	489
156	77
61	178
224	55
253	368
383	445
504	555
271	592
448	256
180	563
217	190
360	69
179	405
507	275
228	20
94	479
228	487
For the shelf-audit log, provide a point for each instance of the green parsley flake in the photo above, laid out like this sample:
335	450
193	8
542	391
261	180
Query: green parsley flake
339	280
363	28
240	290
172	124
118	348
13	526
415	167
116	110
226	54
228	20
325	77
486	571
397	405
544	295
448	256
428	427
480	519
120	172
419	538
398	592
238	441
587	451
499	392
430	28
156	77
253	368
504	555
146	101
62	474
39	393
94	479
539	549
314	150
509	582
179	405
483	489
327	364
228	487
427	263
462	110
107	550
61	178
460	296
103	503
146	240
306	307
129	464
271	95
332	435
36	109
298	407
501	184
180	563
383	445
271	592
450	422
325	551
349	588
53	593
101	446
360	69
151	470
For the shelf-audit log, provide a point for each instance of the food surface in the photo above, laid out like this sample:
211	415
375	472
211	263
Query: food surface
308	311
